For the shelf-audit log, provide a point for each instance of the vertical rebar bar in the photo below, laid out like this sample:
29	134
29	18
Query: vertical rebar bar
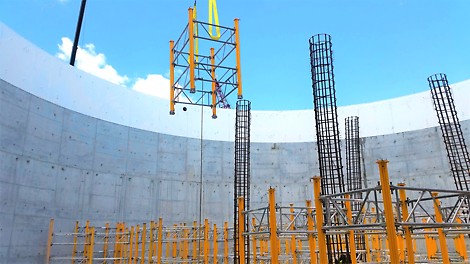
326	123
242	169
454	141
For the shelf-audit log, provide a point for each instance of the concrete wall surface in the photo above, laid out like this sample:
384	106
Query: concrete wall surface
65	155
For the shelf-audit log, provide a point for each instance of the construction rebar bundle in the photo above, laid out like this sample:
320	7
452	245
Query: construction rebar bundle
454	141
328	142
242	169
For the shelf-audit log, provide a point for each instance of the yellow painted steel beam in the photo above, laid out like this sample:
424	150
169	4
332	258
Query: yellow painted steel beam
408	239
254	242
106	241
311	237
388	211
50	235
440	232
151	240
273	227
214	97
225	242
185	242
460	243
192	85
195	253
237	50
160	241
174	252
319	220
75	237
137	241
85	246
172	78
216	245
92	244
131	241
376	245
241	230
206	241
293	238
352	241
143	243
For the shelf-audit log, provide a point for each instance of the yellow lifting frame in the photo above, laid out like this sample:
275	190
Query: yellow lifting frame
352	241
319	217
408	238
388	211
273	227
440	232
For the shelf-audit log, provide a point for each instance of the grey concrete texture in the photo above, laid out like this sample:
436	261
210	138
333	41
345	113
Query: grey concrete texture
56	163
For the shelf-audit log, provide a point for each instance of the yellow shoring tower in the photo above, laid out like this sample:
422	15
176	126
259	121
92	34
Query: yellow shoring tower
195	76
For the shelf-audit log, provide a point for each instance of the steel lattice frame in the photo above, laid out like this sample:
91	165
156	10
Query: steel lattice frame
454	141
209	77
328	142
242	169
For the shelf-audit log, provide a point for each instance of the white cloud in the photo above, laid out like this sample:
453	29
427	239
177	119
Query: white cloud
89	61
153	84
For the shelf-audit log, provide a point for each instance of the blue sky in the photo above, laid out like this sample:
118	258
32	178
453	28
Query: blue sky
382	48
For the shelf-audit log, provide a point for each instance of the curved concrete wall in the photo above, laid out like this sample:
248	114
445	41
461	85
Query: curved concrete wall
74	147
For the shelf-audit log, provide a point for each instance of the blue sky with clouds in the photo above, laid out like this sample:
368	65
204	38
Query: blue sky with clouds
382	48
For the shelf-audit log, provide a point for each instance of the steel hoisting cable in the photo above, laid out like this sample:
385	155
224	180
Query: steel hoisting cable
213	12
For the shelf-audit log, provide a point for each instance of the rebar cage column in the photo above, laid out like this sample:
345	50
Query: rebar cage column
242	169
454	141
353	173
326	123
324	99
353	156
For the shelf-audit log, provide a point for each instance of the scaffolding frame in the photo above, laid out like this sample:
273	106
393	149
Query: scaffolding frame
205	79
457	152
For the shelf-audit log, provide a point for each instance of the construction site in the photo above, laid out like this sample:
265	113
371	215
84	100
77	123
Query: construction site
203	178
